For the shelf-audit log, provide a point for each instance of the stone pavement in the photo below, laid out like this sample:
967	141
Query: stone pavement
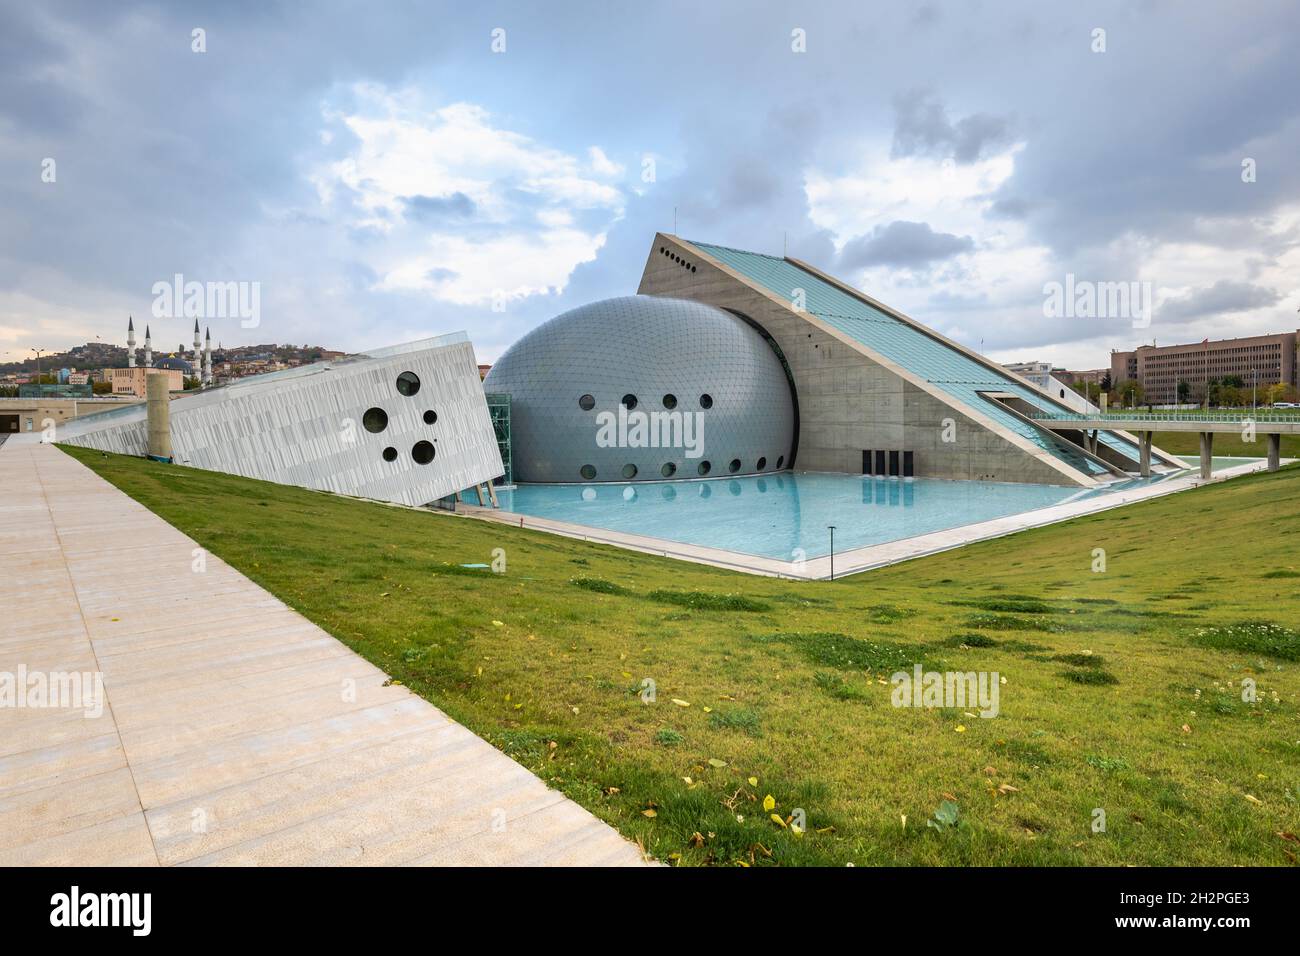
232	730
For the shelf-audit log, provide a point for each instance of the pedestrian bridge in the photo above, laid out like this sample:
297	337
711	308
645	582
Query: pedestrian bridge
1270	423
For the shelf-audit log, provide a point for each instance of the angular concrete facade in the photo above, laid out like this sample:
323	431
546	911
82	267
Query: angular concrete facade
853	398
407	424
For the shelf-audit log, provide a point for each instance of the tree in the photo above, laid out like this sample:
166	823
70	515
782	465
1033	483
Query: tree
1130	392
1184	391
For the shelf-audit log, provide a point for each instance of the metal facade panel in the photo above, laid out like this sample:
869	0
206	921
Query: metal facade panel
306	428
650	347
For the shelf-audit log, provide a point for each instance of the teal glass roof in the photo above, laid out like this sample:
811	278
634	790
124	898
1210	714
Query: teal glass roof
948	369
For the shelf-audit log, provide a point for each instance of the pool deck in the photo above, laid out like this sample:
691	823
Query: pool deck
233	730
857	560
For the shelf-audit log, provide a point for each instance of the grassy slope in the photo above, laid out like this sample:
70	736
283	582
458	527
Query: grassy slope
1225	443
799	704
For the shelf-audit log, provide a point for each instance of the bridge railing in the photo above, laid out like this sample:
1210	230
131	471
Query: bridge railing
1219	417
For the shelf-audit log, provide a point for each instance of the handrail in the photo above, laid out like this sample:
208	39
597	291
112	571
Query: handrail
1281	417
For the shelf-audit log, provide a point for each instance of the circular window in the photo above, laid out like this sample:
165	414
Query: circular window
780	460
734	466
588	471
670	401
430	417
422	452
629	471
668	470
703	468
587	402
408	383
762	463
374	420
629	401
706	400
390	453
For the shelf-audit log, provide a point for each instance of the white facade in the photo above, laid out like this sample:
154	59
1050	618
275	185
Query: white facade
345	426
1040	374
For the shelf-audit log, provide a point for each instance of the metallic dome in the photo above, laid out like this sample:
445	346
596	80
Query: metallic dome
708	396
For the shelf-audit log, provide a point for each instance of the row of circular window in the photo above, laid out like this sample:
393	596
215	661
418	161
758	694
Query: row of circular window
629	401
676	258
669	469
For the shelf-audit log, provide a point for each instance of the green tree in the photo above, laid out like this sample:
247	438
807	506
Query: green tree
1130	393
1184	391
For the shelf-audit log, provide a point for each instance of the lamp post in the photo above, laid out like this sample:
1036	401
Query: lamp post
39	391
832	530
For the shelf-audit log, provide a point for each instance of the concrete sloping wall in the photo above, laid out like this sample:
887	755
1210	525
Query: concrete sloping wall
850	399
307	429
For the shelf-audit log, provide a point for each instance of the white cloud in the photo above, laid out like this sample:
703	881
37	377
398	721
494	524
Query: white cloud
602	165
994	292
465	210
949	196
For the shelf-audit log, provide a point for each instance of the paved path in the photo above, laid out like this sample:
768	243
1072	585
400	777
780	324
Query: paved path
226	736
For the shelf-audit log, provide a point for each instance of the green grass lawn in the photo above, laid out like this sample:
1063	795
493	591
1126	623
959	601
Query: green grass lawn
1122	688
1227	444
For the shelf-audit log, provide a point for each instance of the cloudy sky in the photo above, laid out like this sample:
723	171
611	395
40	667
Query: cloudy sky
385	171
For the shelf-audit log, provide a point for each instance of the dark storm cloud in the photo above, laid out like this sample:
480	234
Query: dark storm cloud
907	245
1224	297
922	128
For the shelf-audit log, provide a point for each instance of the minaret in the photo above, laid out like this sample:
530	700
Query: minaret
148	349
198	356
130	342
207	358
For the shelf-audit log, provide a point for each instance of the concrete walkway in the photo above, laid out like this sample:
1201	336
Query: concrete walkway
233	730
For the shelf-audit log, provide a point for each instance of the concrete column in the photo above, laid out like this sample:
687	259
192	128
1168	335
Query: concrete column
1274	452
158	412
1207	454
1144	442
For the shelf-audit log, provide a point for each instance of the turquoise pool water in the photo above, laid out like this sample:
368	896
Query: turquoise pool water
779	515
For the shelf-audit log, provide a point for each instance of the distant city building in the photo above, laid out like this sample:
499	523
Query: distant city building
1260	359
1050	381
1092	376
131	381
